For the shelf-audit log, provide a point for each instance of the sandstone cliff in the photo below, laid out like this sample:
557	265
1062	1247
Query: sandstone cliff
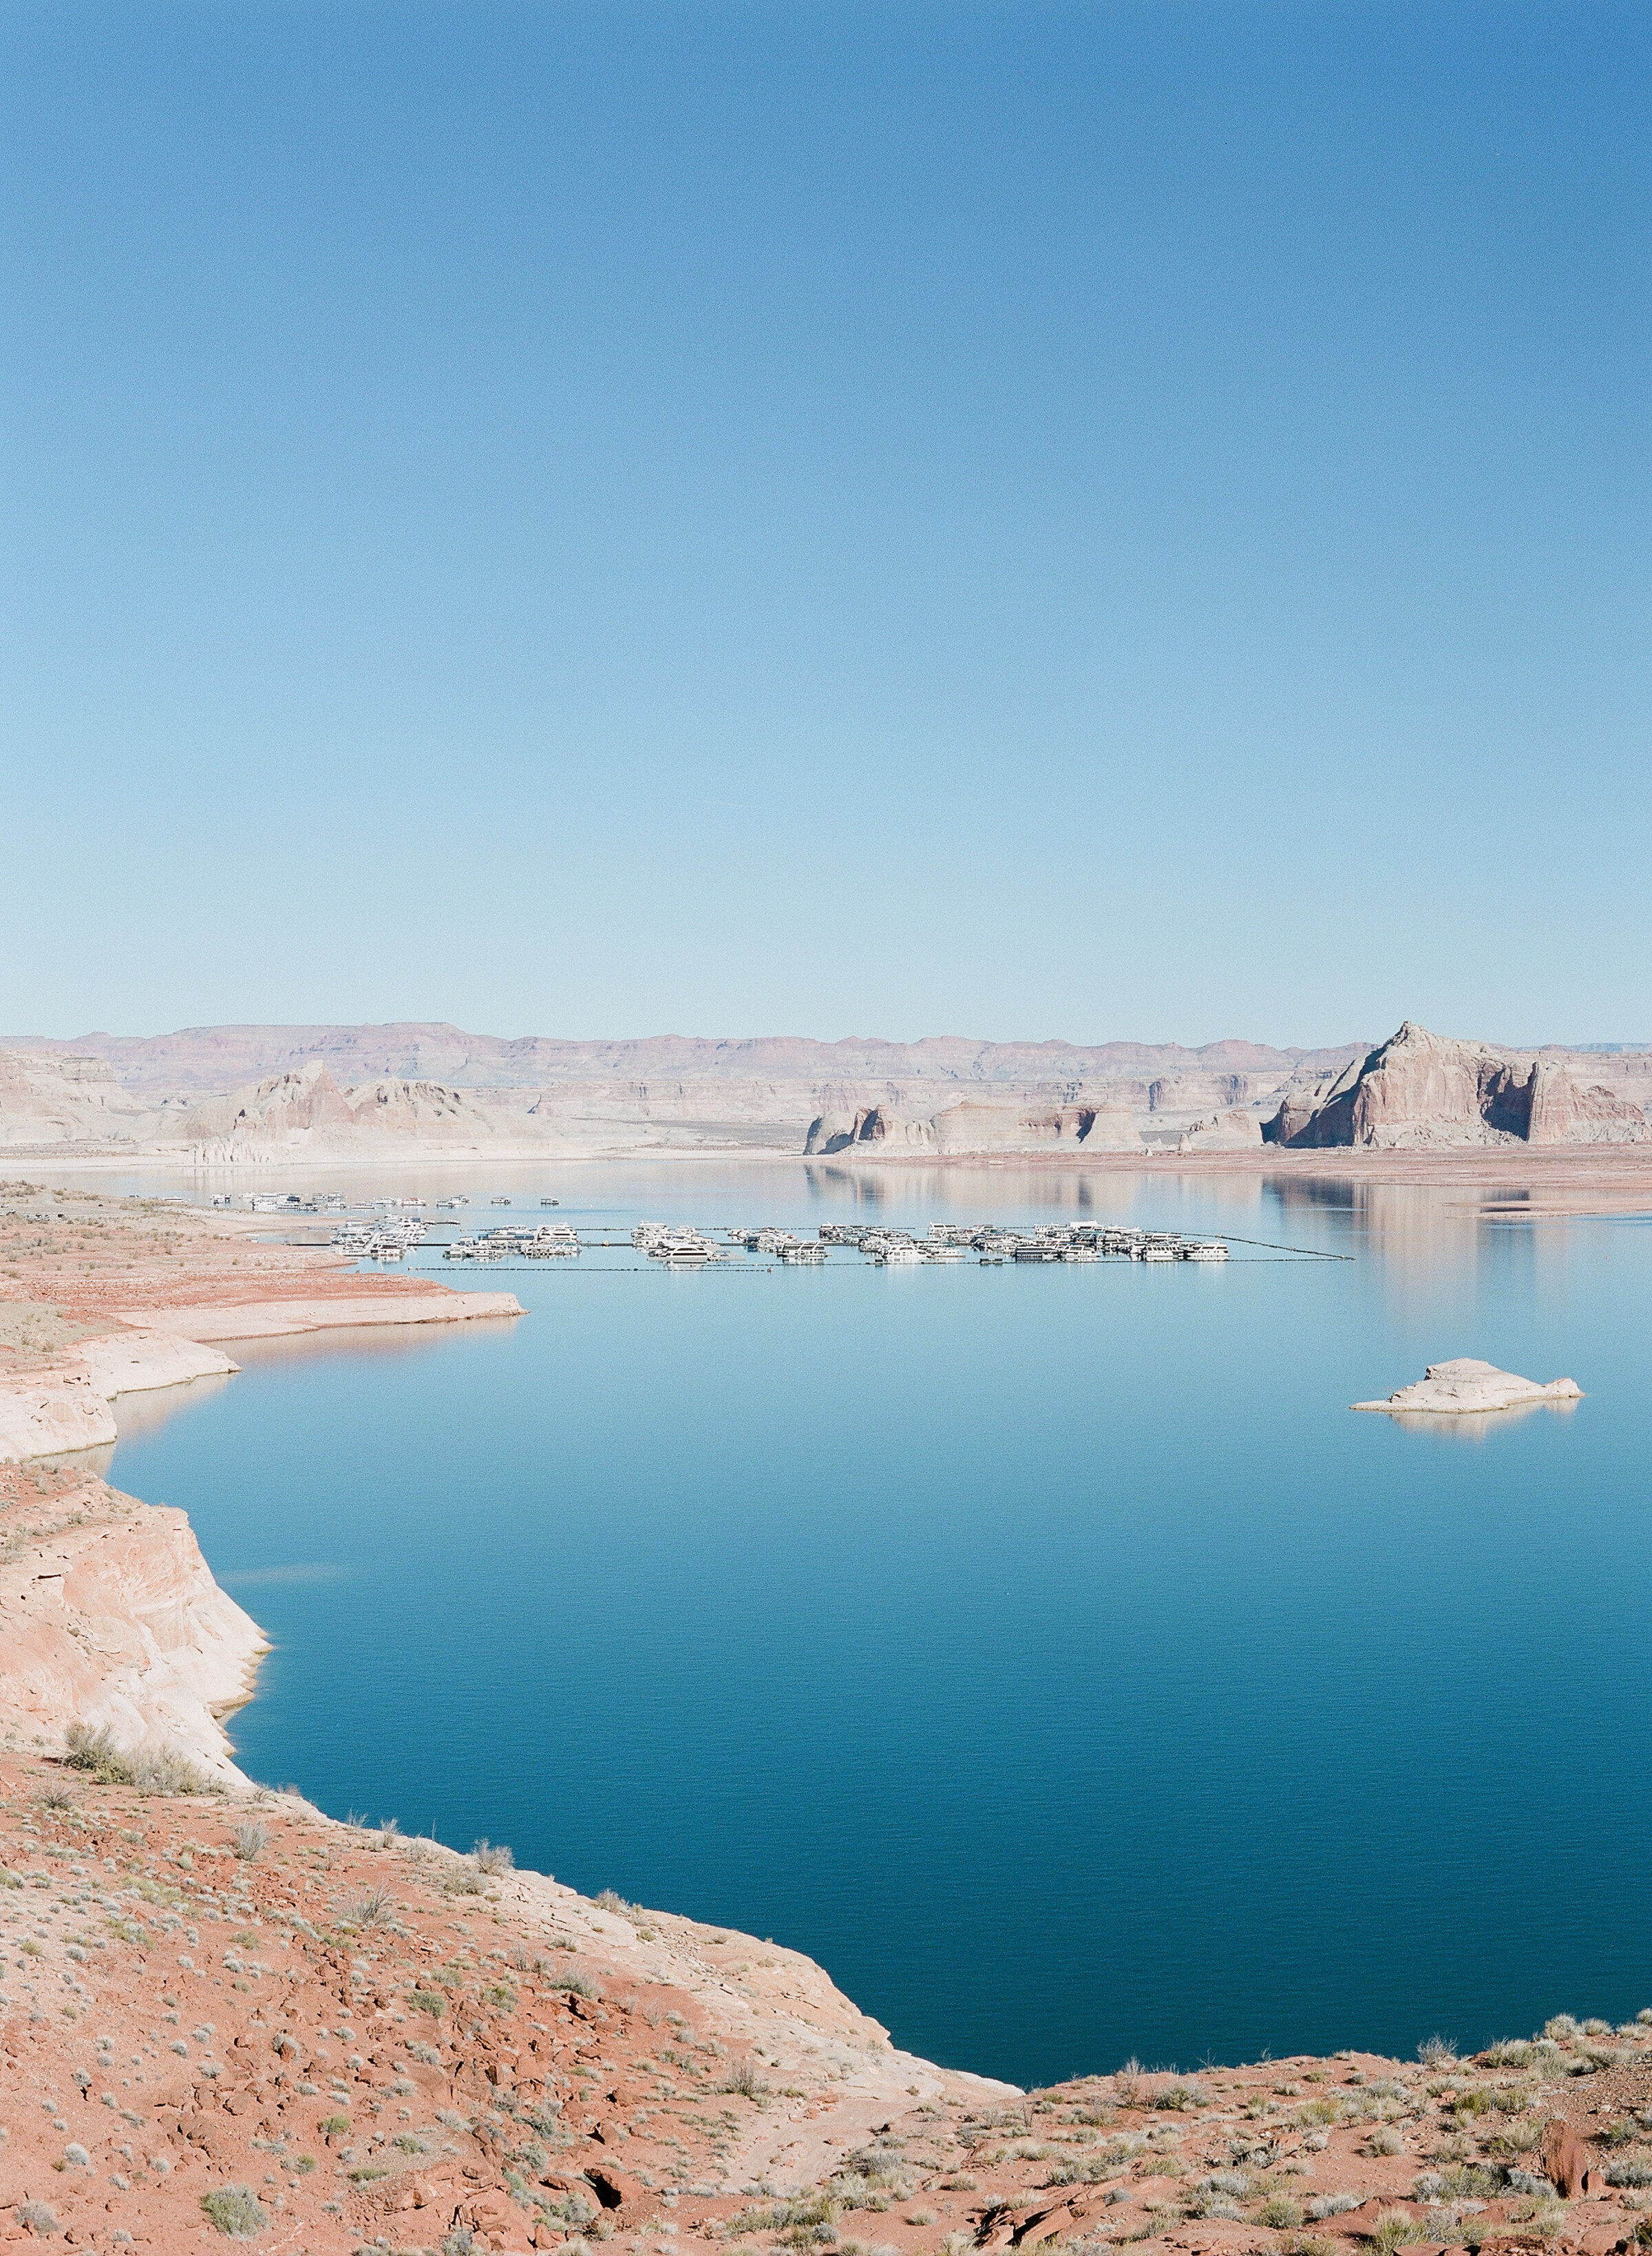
1423	1091
109	1615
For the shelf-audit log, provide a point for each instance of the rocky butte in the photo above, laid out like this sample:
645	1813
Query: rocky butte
1423	1092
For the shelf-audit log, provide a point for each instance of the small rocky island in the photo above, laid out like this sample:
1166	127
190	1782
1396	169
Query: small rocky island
1467	1386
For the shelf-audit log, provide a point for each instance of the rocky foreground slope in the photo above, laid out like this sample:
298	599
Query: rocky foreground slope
232	2016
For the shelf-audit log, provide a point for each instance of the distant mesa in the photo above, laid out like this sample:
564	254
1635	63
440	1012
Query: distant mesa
1467	1387
228	1094
1427	1092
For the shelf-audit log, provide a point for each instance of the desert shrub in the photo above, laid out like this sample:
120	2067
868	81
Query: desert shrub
1478	2101
462	1880
1594	2027
1631	2170
1560	2027
1394	2229
575	1986
1437	2052
1386	2140
35	2217
743	2081
1331	2205
170	1772
248	1839
1509	2052
163	1771
94	1750
1281	2213
372	1907
234	2209
1179	2097
487	1857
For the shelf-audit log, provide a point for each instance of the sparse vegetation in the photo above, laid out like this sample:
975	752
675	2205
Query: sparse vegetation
1394	2229
235	2210
372	1907
163	1771
249	1840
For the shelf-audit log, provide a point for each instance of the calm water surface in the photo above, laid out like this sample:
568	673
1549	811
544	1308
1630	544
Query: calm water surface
1047	1651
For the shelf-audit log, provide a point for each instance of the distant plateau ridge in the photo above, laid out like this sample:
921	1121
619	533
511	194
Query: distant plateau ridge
222	1095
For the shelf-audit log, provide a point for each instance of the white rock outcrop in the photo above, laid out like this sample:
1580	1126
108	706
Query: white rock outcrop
123	1624
1467	1387
51	1413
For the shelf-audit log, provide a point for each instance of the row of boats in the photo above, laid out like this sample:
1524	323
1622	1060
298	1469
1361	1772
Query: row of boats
389	1236
549	1241
946	1242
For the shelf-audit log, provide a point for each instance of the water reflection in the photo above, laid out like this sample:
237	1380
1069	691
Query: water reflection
1482	1426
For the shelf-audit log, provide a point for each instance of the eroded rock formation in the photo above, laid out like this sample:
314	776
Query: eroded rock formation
1466	1387
1421	1091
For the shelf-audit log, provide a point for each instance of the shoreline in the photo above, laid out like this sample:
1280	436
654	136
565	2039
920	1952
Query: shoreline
1601	1178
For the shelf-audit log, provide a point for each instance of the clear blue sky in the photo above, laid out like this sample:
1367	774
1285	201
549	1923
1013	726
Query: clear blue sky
1096	520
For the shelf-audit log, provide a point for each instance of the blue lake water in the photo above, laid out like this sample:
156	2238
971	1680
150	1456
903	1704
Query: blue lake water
1047	1651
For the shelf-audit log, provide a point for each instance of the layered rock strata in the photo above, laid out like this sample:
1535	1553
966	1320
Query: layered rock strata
1420	1092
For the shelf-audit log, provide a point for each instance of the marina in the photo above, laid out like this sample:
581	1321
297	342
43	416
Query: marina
389	1230
681	1245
